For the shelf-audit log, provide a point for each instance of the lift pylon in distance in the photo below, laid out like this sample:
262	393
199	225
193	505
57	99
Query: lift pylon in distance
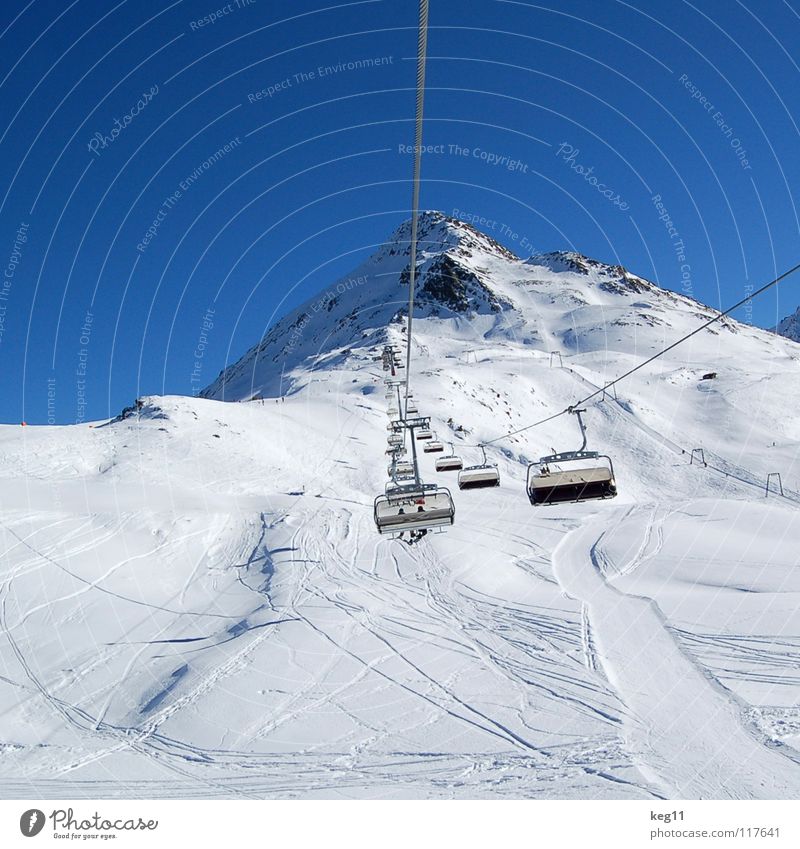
415	508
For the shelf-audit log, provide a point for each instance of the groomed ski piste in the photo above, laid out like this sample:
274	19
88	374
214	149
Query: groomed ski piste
194	601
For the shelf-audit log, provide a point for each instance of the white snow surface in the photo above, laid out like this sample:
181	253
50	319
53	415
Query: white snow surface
194	601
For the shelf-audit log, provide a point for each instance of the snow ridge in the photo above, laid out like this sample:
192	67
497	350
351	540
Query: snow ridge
463	277
194	602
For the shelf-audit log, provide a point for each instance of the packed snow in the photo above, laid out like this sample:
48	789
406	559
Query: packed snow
194	601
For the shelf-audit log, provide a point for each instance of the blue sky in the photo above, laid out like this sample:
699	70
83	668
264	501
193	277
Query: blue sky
160	160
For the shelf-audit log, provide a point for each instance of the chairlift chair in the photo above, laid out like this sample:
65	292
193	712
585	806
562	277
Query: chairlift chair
395	439
483	475
450	462
577	476
433	448
424	434
413	508
571	475
402	470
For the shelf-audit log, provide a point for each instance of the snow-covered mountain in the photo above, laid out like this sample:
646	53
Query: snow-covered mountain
790	326
195	601
470	286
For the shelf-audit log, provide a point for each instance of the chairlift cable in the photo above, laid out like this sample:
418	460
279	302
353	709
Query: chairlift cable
774	282
422	48
522	429
694	332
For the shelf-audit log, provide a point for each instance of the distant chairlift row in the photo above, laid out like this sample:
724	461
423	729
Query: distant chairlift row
409	505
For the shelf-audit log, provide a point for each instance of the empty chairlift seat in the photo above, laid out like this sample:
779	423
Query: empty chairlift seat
449	464
483	475
424	434
413	508
433	448
478	477
572	476
401	470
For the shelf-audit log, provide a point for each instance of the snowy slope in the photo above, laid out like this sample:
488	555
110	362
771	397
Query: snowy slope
194	602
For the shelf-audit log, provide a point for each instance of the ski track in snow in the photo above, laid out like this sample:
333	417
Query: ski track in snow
684	729
194	602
